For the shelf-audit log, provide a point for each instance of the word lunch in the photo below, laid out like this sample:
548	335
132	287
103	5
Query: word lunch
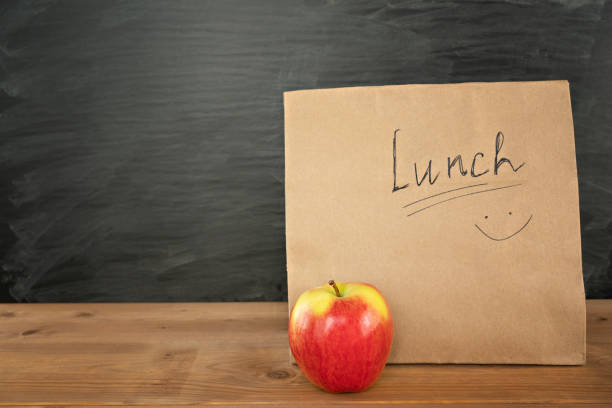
477	165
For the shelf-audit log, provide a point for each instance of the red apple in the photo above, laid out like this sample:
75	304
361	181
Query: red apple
340	335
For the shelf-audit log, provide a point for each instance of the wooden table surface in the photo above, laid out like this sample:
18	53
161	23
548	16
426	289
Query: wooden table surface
236	354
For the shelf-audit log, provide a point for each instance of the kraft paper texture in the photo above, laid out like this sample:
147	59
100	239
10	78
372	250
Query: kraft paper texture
459	202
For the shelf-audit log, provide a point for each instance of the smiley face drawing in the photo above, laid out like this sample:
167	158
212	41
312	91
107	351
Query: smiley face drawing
502	238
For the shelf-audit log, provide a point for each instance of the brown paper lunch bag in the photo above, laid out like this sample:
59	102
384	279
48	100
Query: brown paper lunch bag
458	201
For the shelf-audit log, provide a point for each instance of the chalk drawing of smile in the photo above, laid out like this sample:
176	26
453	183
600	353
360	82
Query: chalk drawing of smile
488	235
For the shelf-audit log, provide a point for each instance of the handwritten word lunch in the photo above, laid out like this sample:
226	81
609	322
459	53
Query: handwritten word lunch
476	168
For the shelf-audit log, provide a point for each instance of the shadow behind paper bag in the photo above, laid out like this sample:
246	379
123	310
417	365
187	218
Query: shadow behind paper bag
459	202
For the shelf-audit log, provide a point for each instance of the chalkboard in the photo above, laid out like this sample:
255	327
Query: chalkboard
142	141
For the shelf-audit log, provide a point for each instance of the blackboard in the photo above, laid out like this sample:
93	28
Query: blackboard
142	141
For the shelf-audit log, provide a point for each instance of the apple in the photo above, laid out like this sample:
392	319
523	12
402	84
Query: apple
340	335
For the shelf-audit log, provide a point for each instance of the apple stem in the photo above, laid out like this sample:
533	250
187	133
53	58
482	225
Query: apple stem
333	285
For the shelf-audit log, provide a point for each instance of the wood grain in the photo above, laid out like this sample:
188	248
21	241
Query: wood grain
236	354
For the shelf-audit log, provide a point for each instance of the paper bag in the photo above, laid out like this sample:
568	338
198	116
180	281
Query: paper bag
459	202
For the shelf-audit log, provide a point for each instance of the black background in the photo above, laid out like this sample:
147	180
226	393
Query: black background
142	141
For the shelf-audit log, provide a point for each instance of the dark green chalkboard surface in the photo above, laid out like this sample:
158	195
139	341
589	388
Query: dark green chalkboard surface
141	142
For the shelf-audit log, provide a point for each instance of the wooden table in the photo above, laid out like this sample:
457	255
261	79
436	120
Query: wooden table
236	354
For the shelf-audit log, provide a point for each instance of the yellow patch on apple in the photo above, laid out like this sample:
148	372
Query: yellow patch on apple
319	300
